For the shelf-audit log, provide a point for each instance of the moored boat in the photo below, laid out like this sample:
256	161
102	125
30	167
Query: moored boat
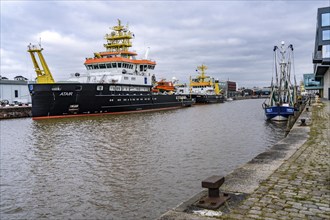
115	81
283	98
203	88
164	86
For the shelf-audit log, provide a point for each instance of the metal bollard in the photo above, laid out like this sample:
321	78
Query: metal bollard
214	199
213	183
303	122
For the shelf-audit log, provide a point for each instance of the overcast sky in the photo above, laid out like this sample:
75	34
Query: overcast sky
235	39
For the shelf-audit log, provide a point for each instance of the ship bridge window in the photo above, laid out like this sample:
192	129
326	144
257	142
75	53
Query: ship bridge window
114	65
143	68
95	66
112	88
89	67
119	65
109	65
126	78
102	66
56	88
118	88
133	78
99	88
125	88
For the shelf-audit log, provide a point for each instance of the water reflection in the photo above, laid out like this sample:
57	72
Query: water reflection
124	166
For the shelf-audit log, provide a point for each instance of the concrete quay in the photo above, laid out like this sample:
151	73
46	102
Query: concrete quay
15	112
289	181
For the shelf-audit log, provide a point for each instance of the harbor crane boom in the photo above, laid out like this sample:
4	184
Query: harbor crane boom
44	75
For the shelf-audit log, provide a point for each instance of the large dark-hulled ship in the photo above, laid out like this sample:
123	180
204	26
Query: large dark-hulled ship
115	81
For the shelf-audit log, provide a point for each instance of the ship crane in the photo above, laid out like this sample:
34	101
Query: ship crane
44	75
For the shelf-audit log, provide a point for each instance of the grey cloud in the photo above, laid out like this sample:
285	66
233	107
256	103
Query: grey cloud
235	39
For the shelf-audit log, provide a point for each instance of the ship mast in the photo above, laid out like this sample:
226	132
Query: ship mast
119	39
283	78
43	75
202	76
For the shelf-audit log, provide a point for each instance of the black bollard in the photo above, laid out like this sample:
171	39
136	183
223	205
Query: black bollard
303	122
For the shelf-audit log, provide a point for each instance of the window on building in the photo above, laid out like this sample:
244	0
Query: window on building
326	35
326	51
325	19
16	93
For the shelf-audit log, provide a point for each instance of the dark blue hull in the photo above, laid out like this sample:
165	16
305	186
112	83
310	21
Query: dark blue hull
208	99
279	113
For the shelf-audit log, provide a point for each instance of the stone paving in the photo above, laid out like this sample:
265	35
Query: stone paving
300	187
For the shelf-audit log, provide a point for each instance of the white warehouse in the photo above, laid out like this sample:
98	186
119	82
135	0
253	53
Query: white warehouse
14	90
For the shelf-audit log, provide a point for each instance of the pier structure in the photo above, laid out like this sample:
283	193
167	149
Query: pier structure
15	112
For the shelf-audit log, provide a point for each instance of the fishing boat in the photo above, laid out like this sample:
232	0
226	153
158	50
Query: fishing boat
115	81
283	97
203	88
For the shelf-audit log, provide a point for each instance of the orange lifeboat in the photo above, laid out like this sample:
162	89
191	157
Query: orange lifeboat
164	86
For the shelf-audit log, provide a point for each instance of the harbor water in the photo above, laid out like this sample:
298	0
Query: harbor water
131	166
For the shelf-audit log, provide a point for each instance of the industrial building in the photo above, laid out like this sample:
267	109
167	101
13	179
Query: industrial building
14	91
321	56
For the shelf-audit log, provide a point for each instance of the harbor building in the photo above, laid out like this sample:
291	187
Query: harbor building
228	88
15	91
321	56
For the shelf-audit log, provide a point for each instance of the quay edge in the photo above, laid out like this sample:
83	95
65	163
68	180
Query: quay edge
245	180
15	112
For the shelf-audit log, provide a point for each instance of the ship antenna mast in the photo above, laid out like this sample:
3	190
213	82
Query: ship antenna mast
202	68
119	39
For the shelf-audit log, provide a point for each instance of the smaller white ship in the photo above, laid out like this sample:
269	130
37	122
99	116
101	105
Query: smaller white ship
203	88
